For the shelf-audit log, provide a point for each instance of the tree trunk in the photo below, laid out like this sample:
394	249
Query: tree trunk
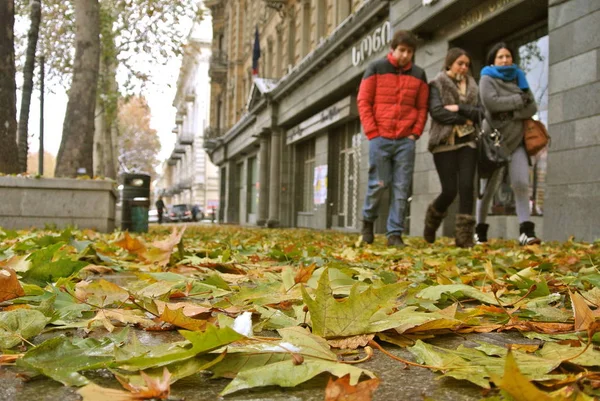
32	39
8	88
77	146
107	98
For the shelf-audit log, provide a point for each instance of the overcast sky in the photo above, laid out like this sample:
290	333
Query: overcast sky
159	95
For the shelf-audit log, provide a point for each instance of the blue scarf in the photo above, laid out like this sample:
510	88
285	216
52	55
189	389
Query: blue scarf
507	73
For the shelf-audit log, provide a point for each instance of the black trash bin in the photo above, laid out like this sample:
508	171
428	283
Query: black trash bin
135	202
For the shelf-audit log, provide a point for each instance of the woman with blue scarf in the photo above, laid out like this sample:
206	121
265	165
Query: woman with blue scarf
507	100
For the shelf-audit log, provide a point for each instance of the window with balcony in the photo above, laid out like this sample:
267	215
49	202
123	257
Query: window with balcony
306	26
344	9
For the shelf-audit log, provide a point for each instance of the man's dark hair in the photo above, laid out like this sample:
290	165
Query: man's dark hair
491	56
406	38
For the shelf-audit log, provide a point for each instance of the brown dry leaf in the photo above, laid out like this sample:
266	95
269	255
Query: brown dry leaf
351	342
156	389
450	311
539	327
341	390
107	316
189	309
10	287
130	244
304	273
96	269
93	392
159	252
7	359
179	319
583	314
159	388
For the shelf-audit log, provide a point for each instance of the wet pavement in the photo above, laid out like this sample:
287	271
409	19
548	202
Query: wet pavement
397	381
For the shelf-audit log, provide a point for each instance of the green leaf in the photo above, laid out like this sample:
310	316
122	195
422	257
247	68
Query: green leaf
351	316
286	374
458	291
61	358
165	354
49	272
20	324
557	352
477	367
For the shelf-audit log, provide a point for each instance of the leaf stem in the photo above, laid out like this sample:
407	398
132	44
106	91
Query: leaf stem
374	344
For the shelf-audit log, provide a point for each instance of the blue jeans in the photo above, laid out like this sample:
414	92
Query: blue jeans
391	161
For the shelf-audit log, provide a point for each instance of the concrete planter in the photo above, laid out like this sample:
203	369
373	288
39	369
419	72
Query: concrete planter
31	202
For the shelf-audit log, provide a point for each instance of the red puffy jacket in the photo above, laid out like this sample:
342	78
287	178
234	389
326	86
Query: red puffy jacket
392	101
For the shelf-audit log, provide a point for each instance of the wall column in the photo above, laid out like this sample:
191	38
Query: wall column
573	178
274	179
263	180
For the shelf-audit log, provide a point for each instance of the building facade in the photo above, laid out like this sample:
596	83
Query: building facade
188	174
288	142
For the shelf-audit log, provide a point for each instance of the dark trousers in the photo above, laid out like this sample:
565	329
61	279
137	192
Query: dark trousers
456	169
160	216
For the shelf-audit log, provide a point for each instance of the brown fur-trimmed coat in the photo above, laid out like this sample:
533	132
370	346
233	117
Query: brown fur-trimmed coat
443	91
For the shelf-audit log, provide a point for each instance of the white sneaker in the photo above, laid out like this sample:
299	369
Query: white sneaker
526	240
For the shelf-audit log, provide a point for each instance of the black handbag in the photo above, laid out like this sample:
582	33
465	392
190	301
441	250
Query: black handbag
491	155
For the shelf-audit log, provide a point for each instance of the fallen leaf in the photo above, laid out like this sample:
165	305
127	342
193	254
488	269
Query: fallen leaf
9	358
582	312
189	309
517	385
304	273
351	342
524	347
332	318
178	318
155	387
159	252
10	287
341	390
19	325
130	244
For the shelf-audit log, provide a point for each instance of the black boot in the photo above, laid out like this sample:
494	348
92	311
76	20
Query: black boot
395	241
433	219
527	237
480	236
464	230
367	232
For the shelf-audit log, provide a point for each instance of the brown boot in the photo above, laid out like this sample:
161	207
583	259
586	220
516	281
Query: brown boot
465	227
433	219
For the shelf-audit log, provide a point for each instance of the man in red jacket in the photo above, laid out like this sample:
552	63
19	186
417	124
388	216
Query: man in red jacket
392	103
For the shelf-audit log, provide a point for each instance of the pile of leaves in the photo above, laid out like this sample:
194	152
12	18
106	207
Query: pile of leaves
279	307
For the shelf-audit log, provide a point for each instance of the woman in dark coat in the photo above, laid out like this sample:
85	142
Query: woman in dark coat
505	94
454	108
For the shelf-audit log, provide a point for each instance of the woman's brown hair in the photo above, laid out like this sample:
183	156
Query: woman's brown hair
453	54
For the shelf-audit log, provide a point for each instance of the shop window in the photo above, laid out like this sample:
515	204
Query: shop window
532	56
253	184
306	154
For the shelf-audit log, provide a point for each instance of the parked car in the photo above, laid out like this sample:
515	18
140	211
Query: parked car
181	212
